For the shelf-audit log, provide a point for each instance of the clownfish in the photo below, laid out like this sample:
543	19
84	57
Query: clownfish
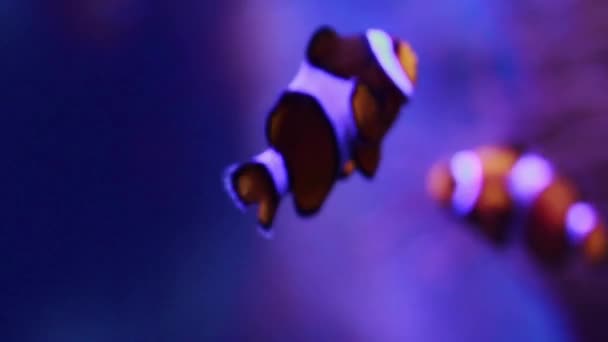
490	184
329	122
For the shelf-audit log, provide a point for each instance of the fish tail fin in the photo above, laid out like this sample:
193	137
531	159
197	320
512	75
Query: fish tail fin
262	182
231	176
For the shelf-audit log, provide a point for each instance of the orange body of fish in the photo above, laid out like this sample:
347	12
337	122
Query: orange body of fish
489	184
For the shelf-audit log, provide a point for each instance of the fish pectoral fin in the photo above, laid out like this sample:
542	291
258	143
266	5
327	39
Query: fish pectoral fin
348	169
367	158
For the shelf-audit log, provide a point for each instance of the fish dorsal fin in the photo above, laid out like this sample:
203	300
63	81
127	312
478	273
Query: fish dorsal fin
341	56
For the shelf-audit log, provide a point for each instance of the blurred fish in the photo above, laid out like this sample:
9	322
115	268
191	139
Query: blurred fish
486	185
328	123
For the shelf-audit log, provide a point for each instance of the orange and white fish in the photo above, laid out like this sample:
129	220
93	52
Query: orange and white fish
488	184
330	121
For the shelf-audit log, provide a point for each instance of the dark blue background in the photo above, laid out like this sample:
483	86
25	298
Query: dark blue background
117	119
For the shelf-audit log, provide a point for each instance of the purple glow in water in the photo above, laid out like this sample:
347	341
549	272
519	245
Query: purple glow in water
265	233
580	220
529	177
467	171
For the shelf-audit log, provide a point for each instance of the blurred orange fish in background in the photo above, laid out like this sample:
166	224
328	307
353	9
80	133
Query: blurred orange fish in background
490	185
